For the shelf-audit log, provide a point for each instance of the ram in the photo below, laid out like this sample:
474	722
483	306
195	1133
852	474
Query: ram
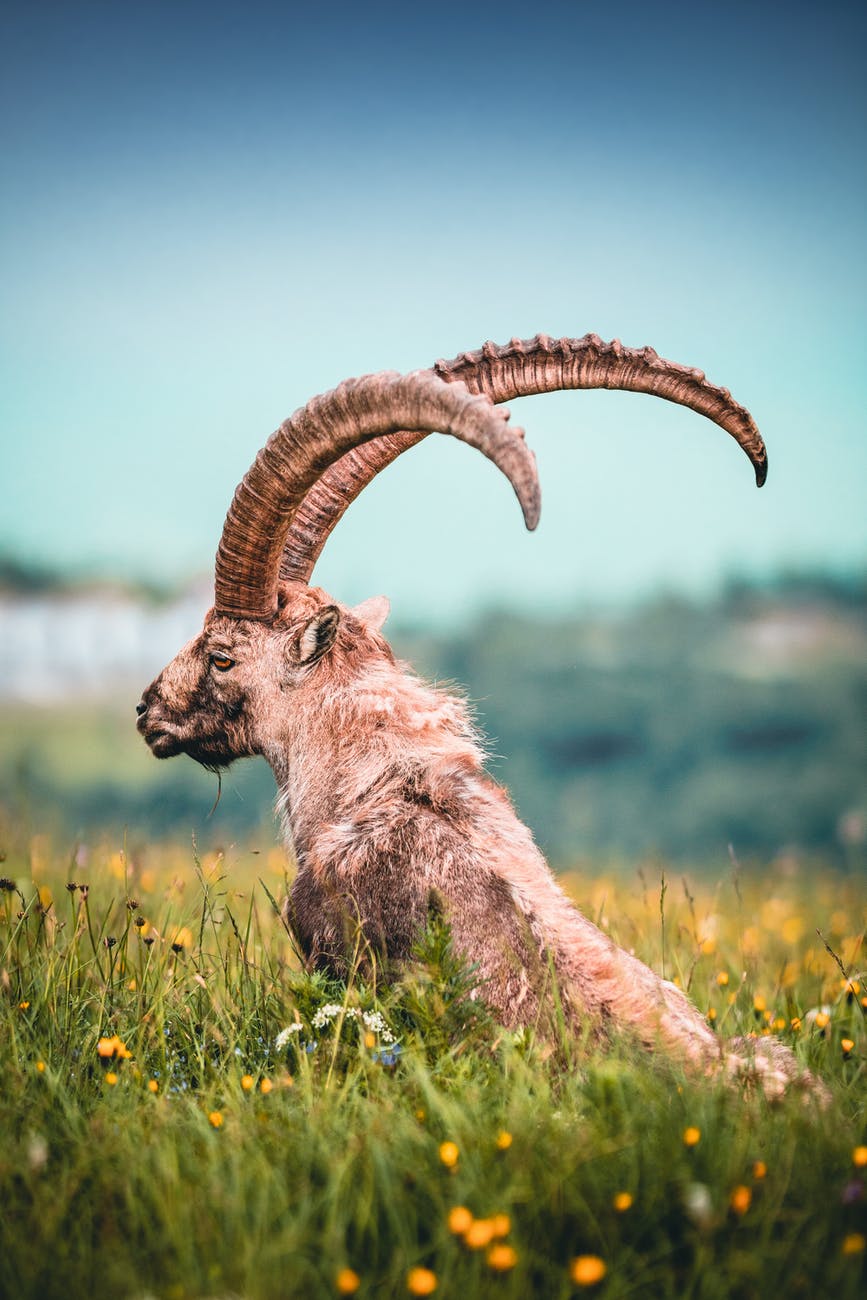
383	793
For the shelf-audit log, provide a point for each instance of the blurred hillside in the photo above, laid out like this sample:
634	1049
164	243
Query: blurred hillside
677	728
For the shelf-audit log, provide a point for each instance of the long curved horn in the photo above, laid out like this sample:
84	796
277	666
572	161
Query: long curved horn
303	448
521	368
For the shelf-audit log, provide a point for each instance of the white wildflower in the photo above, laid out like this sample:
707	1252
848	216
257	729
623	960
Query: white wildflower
326	1014
374	1021
698	1203
282	1039
37	1152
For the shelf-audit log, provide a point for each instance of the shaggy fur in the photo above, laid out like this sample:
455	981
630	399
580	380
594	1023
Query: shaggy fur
384	797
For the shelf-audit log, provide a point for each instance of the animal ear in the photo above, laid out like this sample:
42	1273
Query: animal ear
373	612
317	636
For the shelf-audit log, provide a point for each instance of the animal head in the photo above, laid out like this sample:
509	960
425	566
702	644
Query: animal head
226	694
272	638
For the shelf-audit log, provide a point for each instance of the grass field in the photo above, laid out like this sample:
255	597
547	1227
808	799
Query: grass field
185	1113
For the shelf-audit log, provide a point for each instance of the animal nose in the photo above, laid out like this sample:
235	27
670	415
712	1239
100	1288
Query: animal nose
141	708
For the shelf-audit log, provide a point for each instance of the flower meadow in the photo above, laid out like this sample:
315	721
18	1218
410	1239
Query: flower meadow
186	1112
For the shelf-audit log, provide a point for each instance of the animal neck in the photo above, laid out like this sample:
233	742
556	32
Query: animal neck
355	745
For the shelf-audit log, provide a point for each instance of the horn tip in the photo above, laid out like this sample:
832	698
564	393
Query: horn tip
532	508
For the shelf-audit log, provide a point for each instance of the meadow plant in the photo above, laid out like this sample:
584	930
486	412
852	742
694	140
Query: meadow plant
187	1112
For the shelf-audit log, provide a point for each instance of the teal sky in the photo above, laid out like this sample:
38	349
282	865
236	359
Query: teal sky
210	213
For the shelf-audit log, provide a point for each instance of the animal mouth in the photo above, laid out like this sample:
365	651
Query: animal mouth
162	743
165	742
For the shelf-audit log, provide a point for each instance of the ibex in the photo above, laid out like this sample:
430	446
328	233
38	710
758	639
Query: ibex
382	789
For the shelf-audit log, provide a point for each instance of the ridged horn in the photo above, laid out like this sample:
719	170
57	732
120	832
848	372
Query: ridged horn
520	368
317	435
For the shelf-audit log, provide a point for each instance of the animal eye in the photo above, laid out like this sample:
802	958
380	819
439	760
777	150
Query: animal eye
222	663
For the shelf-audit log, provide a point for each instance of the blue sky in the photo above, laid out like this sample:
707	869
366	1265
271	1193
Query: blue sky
211	212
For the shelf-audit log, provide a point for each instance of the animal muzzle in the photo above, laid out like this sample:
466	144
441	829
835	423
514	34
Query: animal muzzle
159	734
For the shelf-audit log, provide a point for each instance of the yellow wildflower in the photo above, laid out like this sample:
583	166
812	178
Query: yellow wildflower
587	1270
459	1219
759	1003
421	1281
22	1006
760	1169
504	1140
265	1087
741	1199
859	1157
347	1281
501	1225
792	929
722	978
420	1115
691	1136
40	1067
247	1082
853	1243
111	1078
795	1023
822	1020
847	1044
449	1154
153	1086
711	1013
215	1119
622	1201
369	1039
113	1047
479	1234
502	1257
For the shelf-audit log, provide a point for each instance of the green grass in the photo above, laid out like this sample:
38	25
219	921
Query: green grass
209	1185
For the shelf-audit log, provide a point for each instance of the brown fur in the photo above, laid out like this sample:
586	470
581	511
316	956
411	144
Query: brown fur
383	794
